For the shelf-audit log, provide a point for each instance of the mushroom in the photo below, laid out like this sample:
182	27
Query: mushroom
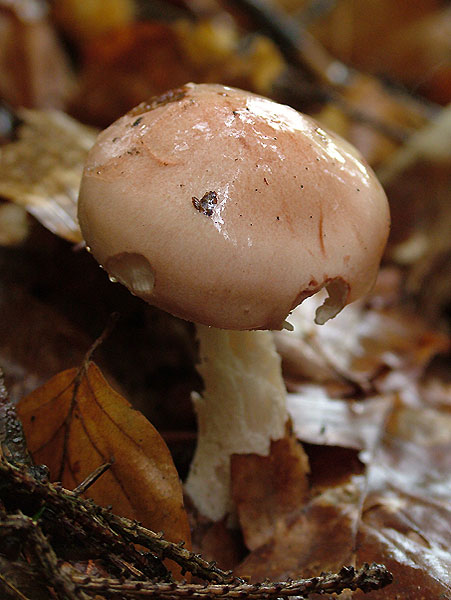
227	209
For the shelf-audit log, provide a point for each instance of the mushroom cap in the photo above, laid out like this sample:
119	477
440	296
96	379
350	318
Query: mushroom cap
228	209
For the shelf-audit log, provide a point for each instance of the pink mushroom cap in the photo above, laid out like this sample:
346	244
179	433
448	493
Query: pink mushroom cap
228	209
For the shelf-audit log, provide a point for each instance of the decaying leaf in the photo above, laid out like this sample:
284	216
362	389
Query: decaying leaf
268	490
406	513
398	511
42	169
319	419
358	345
76	422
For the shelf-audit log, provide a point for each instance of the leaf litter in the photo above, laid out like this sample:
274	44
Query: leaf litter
381	434
377	435
76	422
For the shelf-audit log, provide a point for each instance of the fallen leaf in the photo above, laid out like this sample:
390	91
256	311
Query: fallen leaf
41	170
268	490
319	419
76	422
319	538
397	512
359	344
406	516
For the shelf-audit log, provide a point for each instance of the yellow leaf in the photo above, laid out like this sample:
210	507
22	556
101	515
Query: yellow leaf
77	422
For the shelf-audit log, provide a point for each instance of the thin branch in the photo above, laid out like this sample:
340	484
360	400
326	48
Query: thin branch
367	578
43	554
106	532
92	478
12	438
12	588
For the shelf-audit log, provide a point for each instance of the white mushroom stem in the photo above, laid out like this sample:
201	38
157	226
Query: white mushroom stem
242	408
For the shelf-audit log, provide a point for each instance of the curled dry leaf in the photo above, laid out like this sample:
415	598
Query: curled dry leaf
76	422
42	169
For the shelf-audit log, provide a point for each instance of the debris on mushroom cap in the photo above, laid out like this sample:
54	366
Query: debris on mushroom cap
228	209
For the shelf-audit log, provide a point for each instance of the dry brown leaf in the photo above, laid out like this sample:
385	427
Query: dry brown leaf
360	343
397	513
76	422
319	419
41	170
268	490
319	538
406	517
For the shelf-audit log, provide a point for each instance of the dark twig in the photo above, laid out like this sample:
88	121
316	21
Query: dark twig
12	438
43	555
80	519
92	478
12	588
114	532
367	578
116	536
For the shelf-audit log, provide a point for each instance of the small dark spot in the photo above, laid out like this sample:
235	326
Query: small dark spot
115	139
306	168
241	215
311	217
234	113
265	180
181	185
206	204
32	418
317	159
275	138
256	189
248	109
133	151
358	189
236	159
137	122
294	176
302	187
278	218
